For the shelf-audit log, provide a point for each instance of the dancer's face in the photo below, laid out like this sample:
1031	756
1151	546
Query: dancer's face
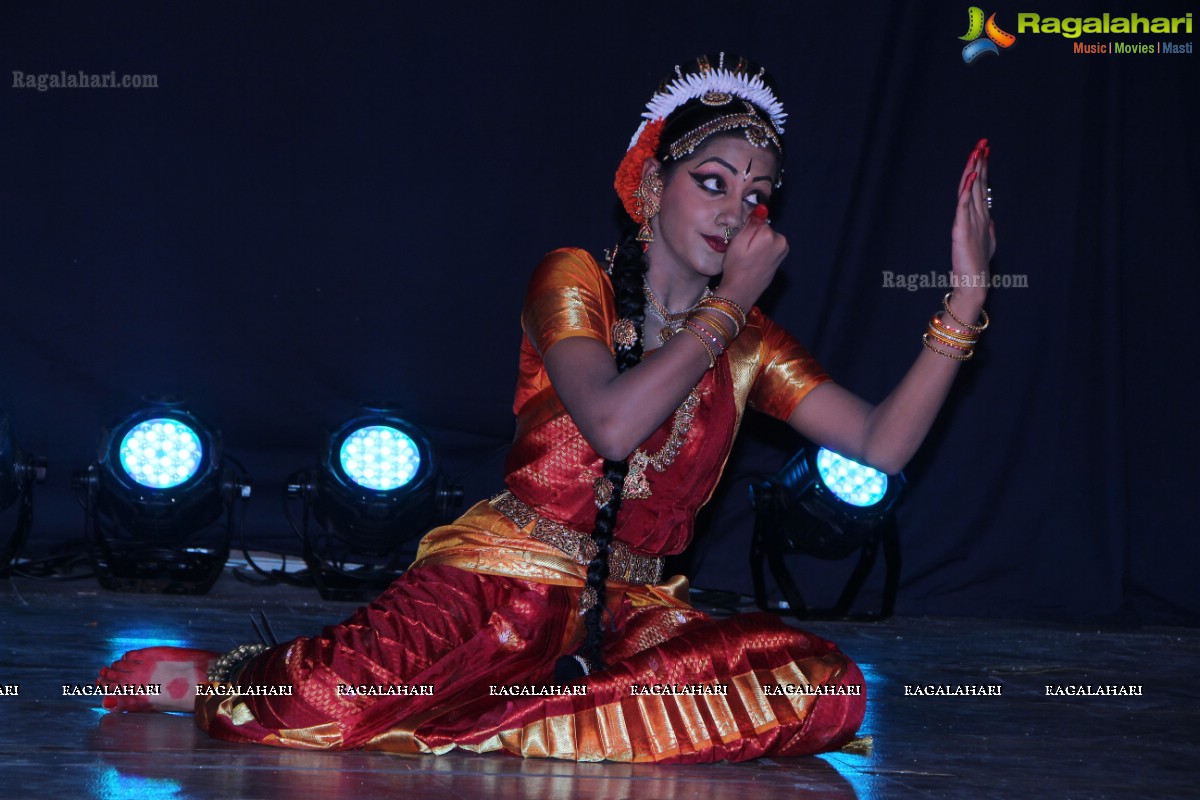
715	189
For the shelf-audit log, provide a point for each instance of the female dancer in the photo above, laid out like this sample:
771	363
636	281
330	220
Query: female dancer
539	622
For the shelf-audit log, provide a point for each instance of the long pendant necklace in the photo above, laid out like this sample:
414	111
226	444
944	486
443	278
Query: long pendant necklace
636	485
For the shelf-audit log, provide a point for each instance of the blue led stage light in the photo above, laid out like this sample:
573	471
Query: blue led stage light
825	505
159	502
161	453
850	481
380	457
375	489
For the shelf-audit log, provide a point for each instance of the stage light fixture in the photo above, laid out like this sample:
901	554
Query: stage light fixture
160	502
18	472
377	487
828	506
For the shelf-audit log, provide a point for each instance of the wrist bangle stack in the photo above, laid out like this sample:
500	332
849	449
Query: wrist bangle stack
694	330
961	341
929	346
711	320
724	305
704	322
949	336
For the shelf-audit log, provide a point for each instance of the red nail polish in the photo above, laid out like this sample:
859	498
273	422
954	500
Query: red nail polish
760	211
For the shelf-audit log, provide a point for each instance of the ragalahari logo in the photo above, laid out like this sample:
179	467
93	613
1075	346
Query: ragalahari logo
996	38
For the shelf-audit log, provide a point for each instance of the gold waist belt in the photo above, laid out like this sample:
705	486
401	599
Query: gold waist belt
623	565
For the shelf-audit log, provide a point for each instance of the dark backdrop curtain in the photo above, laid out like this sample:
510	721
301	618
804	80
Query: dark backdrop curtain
321	204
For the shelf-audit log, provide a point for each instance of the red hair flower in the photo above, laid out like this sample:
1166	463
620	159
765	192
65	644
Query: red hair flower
629	174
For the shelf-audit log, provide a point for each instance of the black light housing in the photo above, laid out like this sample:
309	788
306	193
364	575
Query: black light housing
18	472
159	502
375	489
827	506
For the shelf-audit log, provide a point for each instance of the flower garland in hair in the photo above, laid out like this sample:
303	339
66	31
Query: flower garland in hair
629	174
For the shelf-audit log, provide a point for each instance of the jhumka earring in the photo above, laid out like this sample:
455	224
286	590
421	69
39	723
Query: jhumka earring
648	199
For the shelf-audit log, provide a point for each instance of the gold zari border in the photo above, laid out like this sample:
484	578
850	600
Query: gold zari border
623	565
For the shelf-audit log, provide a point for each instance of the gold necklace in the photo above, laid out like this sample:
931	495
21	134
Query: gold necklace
671	322
636	485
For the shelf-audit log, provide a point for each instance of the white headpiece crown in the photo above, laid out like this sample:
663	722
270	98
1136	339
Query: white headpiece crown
713	82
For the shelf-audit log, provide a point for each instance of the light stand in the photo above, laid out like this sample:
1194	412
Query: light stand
18	472
824	505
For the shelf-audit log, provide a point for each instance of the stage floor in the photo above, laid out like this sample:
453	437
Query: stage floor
1018	744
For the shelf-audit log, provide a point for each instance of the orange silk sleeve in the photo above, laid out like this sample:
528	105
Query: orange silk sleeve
787	372
569	295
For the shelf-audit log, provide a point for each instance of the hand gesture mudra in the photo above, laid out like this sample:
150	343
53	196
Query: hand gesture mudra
973	237
754	255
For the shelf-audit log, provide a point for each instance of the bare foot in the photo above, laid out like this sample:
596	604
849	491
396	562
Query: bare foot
176	670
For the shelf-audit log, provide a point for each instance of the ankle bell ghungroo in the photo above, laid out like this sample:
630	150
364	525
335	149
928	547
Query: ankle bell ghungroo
228	664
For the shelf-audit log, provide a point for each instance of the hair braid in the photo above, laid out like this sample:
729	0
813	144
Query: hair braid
629	270
687	117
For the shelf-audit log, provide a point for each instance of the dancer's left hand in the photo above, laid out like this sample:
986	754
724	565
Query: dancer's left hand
973	237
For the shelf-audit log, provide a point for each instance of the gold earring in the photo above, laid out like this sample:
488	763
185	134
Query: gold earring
648	202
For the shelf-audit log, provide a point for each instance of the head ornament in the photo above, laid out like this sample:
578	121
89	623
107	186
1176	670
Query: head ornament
760	115
713	86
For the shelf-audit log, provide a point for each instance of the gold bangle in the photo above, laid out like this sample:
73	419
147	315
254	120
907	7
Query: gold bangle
725	304
942	336
936	321
737	329
710	320
965	347
719	349
928	346
967	325
945	335
712	358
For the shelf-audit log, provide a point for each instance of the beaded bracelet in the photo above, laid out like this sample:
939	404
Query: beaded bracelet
700	329
928	346
712	357
973	328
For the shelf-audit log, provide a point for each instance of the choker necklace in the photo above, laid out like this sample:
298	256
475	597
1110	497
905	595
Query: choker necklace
672	322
